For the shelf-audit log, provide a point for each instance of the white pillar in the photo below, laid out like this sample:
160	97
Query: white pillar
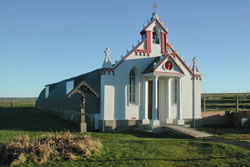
145	119
155	120
194	102
169	120
180	121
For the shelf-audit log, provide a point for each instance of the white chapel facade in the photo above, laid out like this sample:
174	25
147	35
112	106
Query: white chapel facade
151	84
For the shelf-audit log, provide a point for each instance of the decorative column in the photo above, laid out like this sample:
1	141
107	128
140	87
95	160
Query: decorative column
180	121
168	102
155	120
145	119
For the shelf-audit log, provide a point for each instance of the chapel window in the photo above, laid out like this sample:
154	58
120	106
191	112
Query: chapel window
132	86
46	91
174	91
156	35
69	86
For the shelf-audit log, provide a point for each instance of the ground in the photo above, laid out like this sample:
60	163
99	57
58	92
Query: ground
130	149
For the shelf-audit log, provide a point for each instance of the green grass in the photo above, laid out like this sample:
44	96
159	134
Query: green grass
32	119
230	133
121	149
226	101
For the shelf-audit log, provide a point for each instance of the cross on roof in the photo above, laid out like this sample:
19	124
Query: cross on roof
155	7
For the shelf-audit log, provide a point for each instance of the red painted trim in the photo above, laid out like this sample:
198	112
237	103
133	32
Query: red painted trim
141	52
172	60
129	54
163	43
145	29
108	70
148	44
197	77
169	72
175	54
162	26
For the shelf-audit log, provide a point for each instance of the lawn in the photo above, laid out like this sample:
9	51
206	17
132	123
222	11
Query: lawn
124	149
230	133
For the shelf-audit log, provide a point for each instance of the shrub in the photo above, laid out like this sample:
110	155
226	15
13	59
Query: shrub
54	146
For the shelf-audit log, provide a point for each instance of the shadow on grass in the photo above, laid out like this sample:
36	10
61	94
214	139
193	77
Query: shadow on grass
165	135
32	119
225	130
169	159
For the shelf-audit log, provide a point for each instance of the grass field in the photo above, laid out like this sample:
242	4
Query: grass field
230	133
120	149
213	102
225	101
17	102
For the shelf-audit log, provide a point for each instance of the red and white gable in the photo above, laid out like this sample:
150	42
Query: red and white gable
154	44
168	65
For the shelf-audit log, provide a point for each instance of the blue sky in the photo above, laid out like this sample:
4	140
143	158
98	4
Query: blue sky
46	41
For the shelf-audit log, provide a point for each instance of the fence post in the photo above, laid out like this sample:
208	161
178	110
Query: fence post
204	103
11	105
237	103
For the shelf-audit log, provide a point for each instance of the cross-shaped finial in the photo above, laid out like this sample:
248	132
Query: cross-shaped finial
155	7
107	52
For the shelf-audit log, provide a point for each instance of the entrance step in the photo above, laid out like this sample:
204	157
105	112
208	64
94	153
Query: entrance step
188	131
184	130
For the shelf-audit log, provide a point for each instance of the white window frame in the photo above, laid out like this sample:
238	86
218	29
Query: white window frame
46	91
69	86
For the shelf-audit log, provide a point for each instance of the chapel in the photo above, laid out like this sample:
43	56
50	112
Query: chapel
151	85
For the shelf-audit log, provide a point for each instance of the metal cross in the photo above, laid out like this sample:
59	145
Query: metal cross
155	7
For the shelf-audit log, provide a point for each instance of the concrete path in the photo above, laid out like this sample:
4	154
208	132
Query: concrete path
174	129
188	131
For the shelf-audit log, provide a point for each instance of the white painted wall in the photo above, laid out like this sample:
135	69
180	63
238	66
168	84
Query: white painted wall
115	94
197	99
162	101
107	97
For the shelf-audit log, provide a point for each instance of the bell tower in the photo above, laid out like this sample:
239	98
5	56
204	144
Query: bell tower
155	34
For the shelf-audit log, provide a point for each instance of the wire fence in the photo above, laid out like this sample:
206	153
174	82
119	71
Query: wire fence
234	102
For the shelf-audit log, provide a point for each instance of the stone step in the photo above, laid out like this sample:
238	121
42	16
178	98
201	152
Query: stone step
186	130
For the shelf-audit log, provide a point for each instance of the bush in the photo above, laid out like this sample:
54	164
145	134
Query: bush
54	146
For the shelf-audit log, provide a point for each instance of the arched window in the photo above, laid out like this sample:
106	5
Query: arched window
132	86
156	35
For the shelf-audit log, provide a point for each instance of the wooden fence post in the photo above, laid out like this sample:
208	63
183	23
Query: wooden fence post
11	105
237	103
204	103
